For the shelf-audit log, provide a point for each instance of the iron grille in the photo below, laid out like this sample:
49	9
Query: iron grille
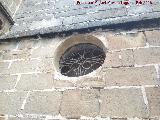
81	59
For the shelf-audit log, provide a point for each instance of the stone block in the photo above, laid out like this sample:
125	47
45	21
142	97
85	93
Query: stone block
122	103
43	52
24	66
43	103
62	83
10	103
153	96
18	54
78	103
7	82
35	82
133	76
153	37
28	44
93	82
119	59
33	65
116	42
4	67
7	46
144	56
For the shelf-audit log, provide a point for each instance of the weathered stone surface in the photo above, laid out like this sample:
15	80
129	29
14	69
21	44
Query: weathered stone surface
25	117
44	52
43	103
93	82
10	103
7	82
24	66
6	46
153	37
80	102
62	83
125	41
119	119
122	103
16	118
4	67
150	55
33	65
46	65
134	76
35	82
28	44
153	96
119	59
18	54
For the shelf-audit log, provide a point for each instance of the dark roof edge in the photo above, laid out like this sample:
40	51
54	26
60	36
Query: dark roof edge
127	26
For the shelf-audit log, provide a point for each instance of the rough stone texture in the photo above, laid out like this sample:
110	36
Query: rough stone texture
125	41
153	95
153	37
45	52
28	66
150	55
41	17
80	102
16	118
131	76
16	54
122	85
35	81
4	67
34	65
7	82
119	59
11	102
93	82
43	103
28	44
63	83
118	118
122	103
6	46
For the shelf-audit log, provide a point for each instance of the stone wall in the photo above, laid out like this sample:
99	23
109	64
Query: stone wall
125	87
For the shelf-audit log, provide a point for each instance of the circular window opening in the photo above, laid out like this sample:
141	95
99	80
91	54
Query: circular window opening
81	59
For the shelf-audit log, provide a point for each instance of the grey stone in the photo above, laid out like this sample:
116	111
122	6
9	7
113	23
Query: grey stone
43	103
153	96
35	82
7	82
150	55
122	103
78	103
11	102
119	59
153	37
133	76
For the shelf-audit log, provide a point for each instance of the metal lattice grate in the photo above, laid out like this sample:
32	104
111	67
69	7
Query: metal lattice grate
81	59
